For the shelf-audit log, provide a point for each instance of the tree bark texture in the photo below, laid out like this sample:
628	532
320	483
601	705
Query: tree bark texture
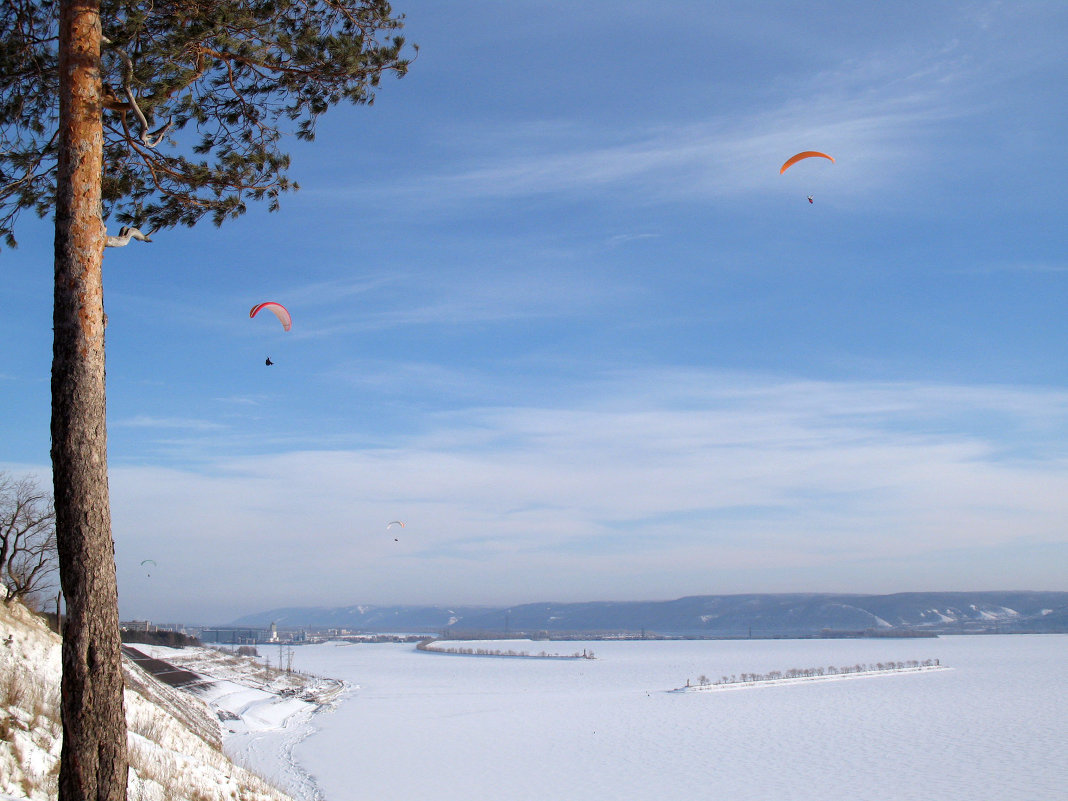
93	763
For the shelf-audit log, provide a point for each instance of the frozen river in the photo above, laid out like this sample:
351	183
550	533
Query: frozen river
459	727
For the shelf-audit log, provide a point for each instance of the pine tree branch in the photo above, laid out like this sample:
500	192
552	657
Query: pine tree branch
126	233
149	138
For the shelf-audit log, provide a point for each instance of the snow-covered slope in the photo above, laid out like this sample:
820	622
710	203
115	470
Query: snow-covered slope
174	738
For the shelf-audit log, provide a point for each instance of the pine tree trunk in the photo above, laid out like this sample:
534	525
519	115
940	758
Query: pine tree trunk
93	763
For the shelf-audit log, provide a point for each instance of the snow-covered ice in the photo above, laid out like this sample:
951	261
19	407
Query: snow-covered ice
987	725
407	725
528	730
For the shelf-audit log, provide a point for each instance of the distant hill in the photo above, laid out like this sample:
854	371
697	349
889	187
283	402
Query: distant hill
761	615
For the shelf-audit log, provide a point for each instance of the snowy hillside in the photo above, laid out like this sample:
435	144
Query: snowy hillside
174	738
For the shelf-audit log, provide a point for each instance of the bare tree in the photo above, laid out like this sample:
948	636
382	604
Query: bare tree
28	561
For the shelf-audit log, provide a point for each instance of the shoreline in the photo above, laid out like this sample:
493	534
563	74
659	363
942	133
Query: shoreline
270	752
263	715
427	647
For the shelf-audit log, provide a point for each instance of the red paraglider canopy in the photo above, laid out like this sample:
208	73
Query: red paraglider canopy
279	310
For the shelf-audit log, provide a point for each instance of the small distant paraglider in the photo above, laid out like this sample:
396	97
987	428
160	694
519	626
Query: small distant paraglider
393	523
279	311
148	562
805	154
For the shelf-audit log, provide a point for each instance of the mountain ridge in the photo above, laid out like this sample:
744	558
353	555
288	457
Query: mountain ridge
746	614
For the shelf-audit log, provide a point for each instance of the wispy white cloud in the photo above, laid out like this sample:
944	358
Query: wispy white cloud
676	483
38	472
416	379
343	289
1049	266
874	114
242	400
622	239
189	424
495	293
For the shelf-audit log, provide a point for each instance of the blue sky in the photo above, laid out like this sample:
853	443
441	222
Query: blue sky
556	309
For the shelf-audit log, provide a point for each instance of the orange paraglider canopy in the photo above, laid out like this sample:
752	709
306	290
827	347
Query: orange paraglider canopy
807	154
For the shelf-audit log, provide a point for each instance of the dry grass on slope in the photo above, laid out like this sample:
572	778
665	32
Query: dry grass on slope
173	737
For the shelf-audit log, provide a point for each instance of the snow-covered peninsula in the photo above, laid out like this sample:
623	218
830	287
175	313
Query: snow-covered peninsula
779	679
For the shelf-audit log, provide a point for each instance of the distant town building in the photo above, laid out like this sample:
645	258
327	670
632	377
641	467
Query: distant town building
179	628
235	636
